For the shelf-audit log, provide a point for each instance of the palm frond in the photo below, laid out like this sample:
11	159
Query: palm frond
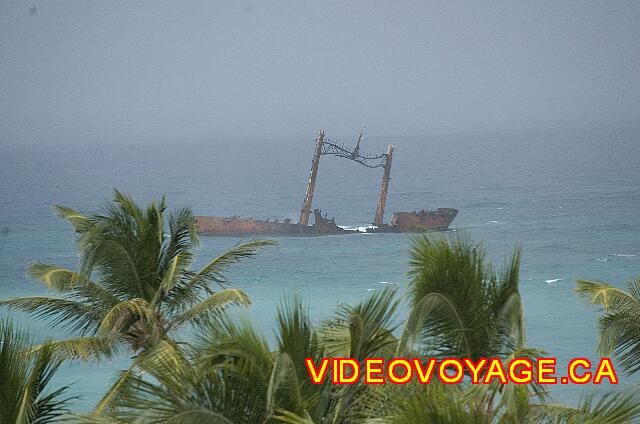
440	312
82	348
363	330
118	391
25	377
91	419
170	278
619	327
63	280
297	339
215	269
477	313
509	303
223	375
80	222
224	342
611	408
169	365
511	315
121	315
76	316
215	304
431	403
117	263
283	390
603	294
182	236
289	417
202	416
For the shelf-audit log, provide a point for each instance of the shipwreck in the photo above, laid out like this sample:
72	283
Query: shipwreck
401	222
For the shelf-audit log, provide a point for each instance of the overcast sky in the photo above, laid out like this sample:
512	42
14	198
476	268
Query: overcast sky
108	71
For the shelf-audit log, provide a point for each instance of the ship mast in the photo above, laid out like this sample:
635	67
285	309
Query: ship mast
382	199
311	185
370	161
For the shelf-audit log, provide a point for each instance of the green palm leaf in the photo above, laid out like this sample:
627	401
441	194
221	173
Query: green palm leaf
75	315
214	270
202	416
117	392
364	330
460	306
289	417
283	389
63	280
92	419
612	408
619	324
215	304
80	222
437	309
121	315
83	348
134	281
26	376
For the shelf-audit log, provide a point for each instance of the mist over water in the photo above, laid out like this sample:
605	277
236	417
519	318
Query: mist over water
125	71
568	198
522	115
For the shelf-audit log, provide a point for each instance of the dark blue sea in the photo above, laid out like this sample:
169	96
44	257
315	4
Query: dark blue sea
569	198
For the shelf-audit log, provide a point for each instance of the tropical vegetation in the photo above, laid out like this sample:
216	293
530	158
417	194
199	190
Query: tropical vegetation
27	395
619	325
134	289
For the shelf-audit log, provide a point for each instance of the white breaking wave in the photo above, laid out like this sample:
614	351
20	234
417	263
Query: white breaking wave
553	280
370	289
494	222
361	229
602	259
383	282
624	255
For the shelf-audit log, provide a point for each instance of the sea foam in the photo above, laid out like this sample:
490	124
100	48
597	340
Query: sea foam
362	229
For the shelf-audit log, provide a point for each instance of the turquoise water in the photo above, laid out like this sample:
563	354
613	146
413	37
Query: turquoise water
569	198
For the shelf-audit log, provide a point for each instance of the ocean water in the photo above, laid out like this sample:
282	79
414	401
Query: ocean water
569	198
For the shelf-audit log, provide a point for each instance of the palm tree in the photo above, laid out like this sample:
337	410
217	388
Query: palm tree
620	323
26	376
231	374
460	307
439	404
434	403
135	285
611	408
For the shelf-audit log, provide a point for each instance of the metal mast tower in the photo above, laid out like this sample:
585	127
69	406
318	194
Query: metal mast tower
325	147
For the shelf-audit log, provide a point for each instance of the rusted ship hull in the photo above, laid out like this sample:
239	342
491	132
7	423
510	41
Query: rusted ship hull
410	222
402	222
234	226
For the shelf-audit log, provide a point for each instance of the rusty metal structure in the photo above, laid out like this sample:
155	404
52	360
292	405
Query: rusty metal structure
323	148
311	185
439	219
382	198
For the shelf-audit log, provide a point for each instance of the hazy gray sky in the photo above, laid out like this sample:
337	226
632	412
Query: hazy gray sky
194	70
